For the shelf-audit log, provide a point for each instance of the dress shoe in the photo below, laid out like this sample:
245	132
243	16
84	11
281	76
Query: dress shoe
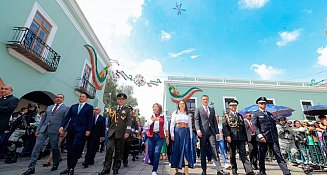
54	168
262	173
125	165
29	171
222	173
104	172
234	172
85	165
251	173
115	172
71	171
46	164
66	171
204	172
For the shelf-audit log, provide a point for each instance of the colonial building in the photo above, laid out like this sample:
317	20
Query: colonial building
297	95
48	47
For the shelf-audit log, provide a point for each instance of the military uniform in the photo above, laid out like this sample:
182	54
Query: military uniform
119	123
286	141
265	127
128	146
233	126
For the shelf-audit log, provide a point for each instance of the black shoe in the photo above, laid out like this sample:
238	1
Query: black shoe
133	159
54	168
71	171
252	173
255	167
85	165
115	172
262	173
29	171
46	164
125	165
222	173
234	172
204	172
104	172
12	158
66	171
137	157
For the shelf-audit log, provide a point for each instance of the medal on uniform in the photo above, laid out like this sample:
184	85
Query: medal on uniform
123	115
113	114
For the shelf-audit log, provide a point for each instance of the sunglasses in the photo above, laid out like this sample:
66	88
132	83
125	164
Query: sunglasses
262	103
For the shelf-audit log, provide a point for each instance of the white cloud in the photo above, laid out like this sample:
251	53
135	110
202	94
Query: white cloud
265	72
194	56
165	35
113	23
180	53
252	4
322	58
286	37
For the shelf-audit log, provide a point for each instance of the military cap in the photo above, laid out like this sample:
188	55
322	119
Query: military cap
233	102
122	95
261	100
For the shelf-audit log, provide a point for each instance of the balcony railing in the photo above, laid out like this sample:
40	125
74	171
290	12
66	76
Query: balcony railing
28	44
86	86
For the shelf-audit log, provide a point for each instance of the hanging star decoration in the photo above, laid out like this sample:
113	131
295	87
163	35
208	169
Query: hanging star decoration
176	97
179	8
138	79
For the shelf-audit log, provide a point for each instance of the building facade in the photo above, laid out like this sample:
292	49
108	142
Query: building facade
297	95
48	47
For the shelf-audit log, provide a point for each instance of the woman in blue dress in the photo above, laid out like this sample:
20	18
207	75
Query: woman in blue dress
181	135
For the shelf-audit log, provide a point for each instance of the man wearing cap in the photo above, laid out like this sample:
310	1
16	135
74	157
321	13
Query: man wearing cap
266	131
119	130
235	134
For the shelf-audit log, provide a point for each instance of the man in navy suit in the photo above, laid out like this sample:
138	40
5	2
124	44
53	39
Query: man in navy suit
96	136
267	136
207	130
48	127
80	118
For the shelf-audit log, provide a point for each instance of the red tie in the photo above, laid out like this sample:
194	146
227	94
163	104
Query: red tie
252	129
55	108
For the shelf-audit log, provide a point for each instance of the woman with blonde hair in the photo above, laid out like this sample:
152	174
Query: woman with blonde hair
157	134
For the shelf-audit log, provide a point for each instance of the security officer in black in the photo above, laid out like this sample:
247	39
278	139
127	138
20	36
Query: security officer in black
119	129
127	146
267	136
235	134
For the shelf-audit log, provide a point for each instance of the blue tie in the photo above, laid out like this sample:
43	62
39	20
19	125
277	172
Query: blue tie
79	108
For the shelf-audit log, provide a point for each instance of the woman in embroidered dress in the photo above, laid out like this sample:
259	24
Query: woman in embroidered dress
181	134
157	134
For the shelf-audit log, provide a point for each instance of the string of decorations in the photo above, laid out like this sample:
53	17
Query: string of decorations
138	79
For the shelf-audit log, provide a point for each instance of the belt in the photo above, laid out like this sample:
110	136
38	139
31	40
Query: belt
181	125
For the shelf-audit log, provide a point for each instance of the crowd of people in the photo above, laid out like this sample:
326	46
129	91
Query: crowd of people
182	139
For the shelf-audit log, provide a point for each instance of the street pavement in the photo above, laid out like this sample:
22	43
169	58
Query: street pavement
134	168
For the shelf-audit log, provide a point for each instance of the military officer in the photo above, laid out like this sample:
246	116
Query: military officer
119	129
235	134
266	131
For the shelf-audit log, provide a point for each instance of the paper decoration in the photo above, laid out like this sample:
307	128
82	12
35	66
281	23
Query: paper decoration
176	98
98	78
179	8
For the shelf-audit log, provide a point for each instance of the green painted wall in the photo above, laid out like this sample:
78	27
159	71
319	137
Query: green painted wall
248	96
67	42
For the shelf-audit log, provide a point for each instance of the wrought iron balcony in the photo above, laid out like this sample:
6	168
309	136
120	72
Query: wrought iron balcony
28	44
86	86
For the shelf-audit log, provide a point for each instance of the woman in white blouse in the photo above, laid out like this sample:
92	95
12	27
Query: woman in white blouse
181	135
157	134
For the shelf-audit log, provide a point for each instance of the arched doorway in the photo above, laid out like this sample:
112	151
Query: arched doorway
42	98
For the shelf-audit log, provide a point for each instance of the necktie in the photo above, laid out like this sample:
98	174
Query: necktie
55	108
79	108
119	107
252	129
207	111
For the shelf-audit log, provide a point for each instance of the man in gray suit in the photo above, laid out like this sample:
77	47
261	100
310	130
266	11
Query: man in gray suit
207	129
48	127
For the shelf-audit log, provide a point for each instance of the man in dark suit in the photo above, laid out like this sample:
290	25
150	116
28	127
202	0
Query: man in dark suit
48	127
267	136
207	129
235	134
119	130
81	120
96	136
252	141
8	104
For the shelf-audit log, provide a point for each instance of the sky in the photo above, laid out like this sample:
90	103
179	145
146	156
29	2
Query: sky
246	39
